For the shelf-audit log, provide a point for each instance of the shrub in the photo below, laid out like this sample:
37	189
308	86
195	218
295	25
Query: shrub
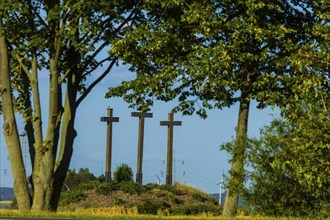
171	189
130	187
72	196
73	179
151	206
195	209
106	188
150	186
84	186
123	173
118	202
199	197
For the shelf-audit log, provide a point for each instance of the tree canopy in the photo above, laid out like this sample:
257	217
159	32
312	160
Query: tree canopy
290	162
67	41
213	54
205	52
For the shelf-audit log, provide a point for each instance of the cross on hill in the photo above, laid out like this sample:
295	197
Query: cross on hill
169	166
109	119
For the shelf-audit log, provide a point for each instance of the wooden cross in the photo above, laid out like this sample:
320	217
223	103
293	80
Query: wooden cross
109	119
141	116
169	166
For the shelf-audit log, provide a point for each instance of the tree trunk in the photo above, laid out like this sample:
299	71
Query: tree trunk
46	153
68	134
10	129
237	170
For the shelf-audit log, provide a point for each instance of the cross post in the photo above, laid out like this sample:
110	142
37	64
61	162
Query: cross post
142	116
109	119
169	163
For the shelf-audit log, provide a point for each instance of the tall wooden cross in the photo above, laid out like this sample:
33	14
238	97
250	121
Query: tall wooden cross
169	163
109	119
141	116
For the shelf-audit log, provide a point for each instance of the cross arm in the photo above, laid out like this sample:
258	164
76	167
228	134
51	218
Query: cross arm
170	123
142	114
109	119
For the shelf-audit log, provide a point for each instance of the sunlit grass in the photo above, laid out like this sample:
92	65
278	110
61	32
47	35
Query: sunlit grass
120	213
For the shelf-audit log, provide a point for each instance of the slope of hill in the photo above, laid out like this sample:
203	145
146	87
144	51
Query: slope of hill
148	199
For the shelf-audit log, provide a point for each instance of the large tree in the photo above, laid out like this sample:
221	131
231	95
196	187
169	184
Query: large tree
213	54
291	161
66	40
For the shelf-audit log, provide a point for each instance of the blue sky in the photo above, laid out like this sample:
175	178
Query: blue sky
198	159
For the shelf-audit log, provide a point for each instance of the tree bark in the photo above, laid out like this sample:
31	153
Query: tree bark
68	134
46	153
237	170
10	128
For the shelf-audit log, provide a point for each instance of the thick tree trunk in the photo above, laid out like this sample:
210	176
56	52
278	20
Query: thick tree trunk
68	134
10	129
46	153
237	170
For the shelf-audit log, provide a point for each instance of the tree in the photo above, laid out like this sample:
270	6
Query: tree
123	173
68	41
73	178
213	54
290	161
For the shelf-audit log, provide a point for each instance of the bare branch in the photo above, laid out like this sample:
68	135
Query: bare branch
98	64
89	89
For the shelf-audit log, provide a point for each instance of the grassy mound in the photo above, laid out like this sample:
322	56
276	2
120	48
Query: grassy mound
129	197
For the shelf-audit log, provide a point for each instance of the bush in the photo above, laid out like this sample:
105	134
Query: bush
199	197
88	185
106	188
150	186
72	196
123	173
151	206
73	179
171	189
195	209
118	202
131	188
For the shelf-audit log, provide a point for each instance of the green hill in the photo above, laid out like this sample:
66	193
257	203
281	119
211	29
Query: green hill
149	199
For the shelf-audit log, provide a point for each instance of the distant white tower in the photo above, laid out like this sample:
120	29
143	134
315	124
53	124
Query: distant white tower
220	190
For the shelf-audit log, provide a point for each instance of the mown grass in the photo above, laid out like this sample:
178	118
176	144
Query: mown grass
113	214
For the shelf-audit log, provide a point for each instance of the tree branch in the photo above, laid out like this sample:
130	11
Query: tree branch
324	105
89	89
98	64
25	69
113	33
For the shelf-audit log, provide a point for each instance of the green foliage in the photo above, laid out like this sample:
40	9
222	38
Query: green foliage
123	173
199	197
151	206
150	186
131	187
195	209
208	54
291	162
171	189
205	52
73	179
118	202
72	197
69	42
78	192
106	188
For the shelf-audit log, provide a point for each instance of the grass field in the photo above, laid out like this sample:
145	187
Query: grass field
103	214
